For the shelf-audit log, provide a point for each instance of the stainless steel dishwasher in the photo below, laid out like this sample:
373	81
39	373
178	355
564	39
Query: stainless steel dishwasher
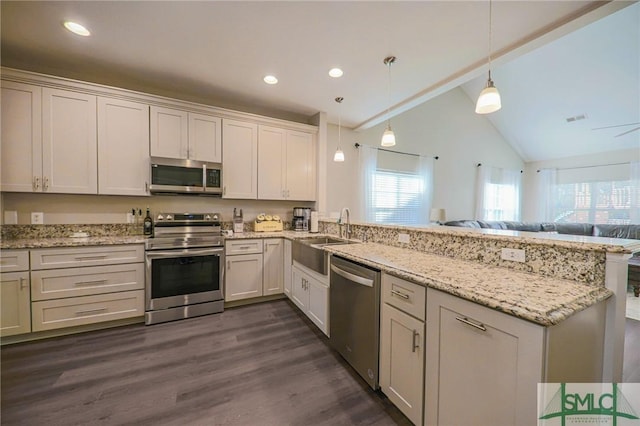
355	316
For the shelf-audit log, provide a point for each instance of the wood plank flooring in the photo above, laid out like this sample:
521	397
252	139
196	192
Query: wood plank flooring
263	364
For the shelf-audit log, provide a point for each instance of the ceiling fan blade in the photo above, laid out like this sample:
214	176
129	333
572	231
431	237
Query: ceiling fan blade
628	131
618	125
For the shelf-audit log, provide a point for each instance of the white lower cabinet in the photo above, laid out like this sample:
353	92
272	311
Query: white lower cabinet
402	345
86	285
15	302
273	267
483	366
15	317
287	268
311	294
243	277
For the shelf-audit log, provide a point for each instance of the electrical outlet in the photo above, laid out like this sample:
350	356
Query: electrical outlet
37	218
514	255
403	238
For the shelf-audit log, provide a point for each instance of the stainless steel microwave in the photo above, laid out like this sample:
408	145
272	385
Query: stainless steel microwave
174	176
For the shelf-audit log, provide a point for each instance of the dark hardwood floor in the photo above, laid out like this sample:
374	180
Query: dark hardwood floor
262	364
631	368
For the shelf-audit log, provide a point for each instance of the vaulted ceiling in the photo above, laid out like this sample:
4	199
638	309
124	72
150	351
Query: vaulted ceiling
217	52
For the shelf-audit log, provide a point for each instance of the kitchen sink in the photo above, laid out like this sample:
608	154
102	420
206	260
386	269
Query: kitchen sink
309	252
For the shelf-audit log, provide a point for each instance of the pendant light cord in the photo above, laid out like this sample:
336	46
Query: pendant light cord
389	95
490	34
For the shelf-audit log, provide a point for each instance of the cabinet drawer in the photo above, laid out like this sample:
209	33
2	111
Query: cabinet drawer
14	260
243	247
52	314
404	295
86	256
72	282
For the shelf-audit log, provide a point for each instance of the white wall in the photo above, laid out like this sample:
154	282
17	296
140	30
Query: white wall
583	163
446	126
94	209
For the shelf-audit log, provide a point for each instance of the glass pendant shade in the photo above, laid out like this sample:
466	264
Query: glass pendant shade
489	99
338	157
388	137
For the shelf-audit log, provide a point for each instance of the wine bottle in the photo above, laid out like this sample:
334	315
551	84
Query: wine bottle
147	226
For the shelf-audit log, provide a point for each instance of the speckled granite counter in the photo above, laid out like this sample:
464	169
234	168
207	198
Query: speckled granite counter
32	243
536	298
290	235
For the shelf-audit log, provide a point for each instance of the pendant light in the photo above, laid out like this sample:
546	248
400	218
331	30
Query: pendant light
338	157
388	137
489	99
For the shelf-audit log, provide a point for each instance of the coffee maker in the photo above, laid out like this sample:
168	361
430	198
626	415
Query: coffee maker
301	218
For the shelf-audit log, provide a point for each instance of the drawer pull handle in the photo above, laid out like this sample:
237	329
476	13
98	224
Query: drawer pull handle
94	282
416	342
228	265
400	294
90	311
244	247
472	324
99	257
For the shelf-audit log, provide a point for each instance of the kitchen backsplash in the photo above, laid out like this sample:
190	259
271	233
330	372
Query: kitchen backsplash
553	260
61	231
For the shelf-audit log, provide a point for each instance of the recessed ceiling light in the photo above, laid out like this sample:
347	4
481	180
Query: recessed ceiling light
76	28
335	72
270	79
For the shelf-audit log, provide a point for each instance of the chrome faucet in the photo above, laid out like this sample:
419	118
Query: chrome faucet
348	226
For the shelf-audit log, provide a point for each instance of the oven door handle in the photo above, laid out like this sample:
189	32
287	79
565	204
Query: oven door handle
168	254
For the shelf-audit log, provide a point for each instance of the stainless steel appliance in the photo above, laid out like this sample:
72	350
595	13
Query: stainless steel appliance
185	177
184	267
354	316
301	218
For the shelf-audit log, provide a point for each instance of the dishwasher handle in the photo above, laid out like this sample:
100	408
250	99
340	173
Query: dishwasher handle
352	277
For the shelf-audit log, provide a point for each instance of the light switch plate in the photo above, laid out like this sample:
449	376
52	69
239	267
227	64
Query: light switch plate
514	255
37	218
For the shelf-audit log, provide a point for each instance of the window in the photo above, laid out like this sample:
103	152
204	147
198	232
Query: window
497	194
398	198
594	202
500	201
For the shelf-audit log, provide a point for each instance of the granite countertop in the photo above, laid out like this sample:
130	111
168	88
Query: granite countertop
543	300
32	243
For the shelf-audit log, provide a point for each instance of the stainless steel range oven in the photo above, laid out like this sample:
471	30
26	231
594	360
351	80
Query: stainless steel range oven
184	267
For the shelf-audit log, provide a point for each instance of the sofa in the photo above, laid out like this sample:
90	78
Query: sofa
588	229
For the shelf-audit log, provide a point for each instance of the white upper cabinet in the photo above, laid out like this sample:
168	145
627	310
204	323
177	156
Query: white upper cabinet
123	147
300	166
69	142
272	151
205	138
169	133
286	164
239	160
185	135
21	137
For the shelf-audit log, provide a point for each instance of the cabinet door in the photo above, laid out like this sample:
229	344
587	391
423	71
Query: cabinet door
205	138
123	147
15	317
299	293
402	361
482	365
239	160
169	133
69	142
287	268
318	309
300	166
273	271
271	163
21	134
243	277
